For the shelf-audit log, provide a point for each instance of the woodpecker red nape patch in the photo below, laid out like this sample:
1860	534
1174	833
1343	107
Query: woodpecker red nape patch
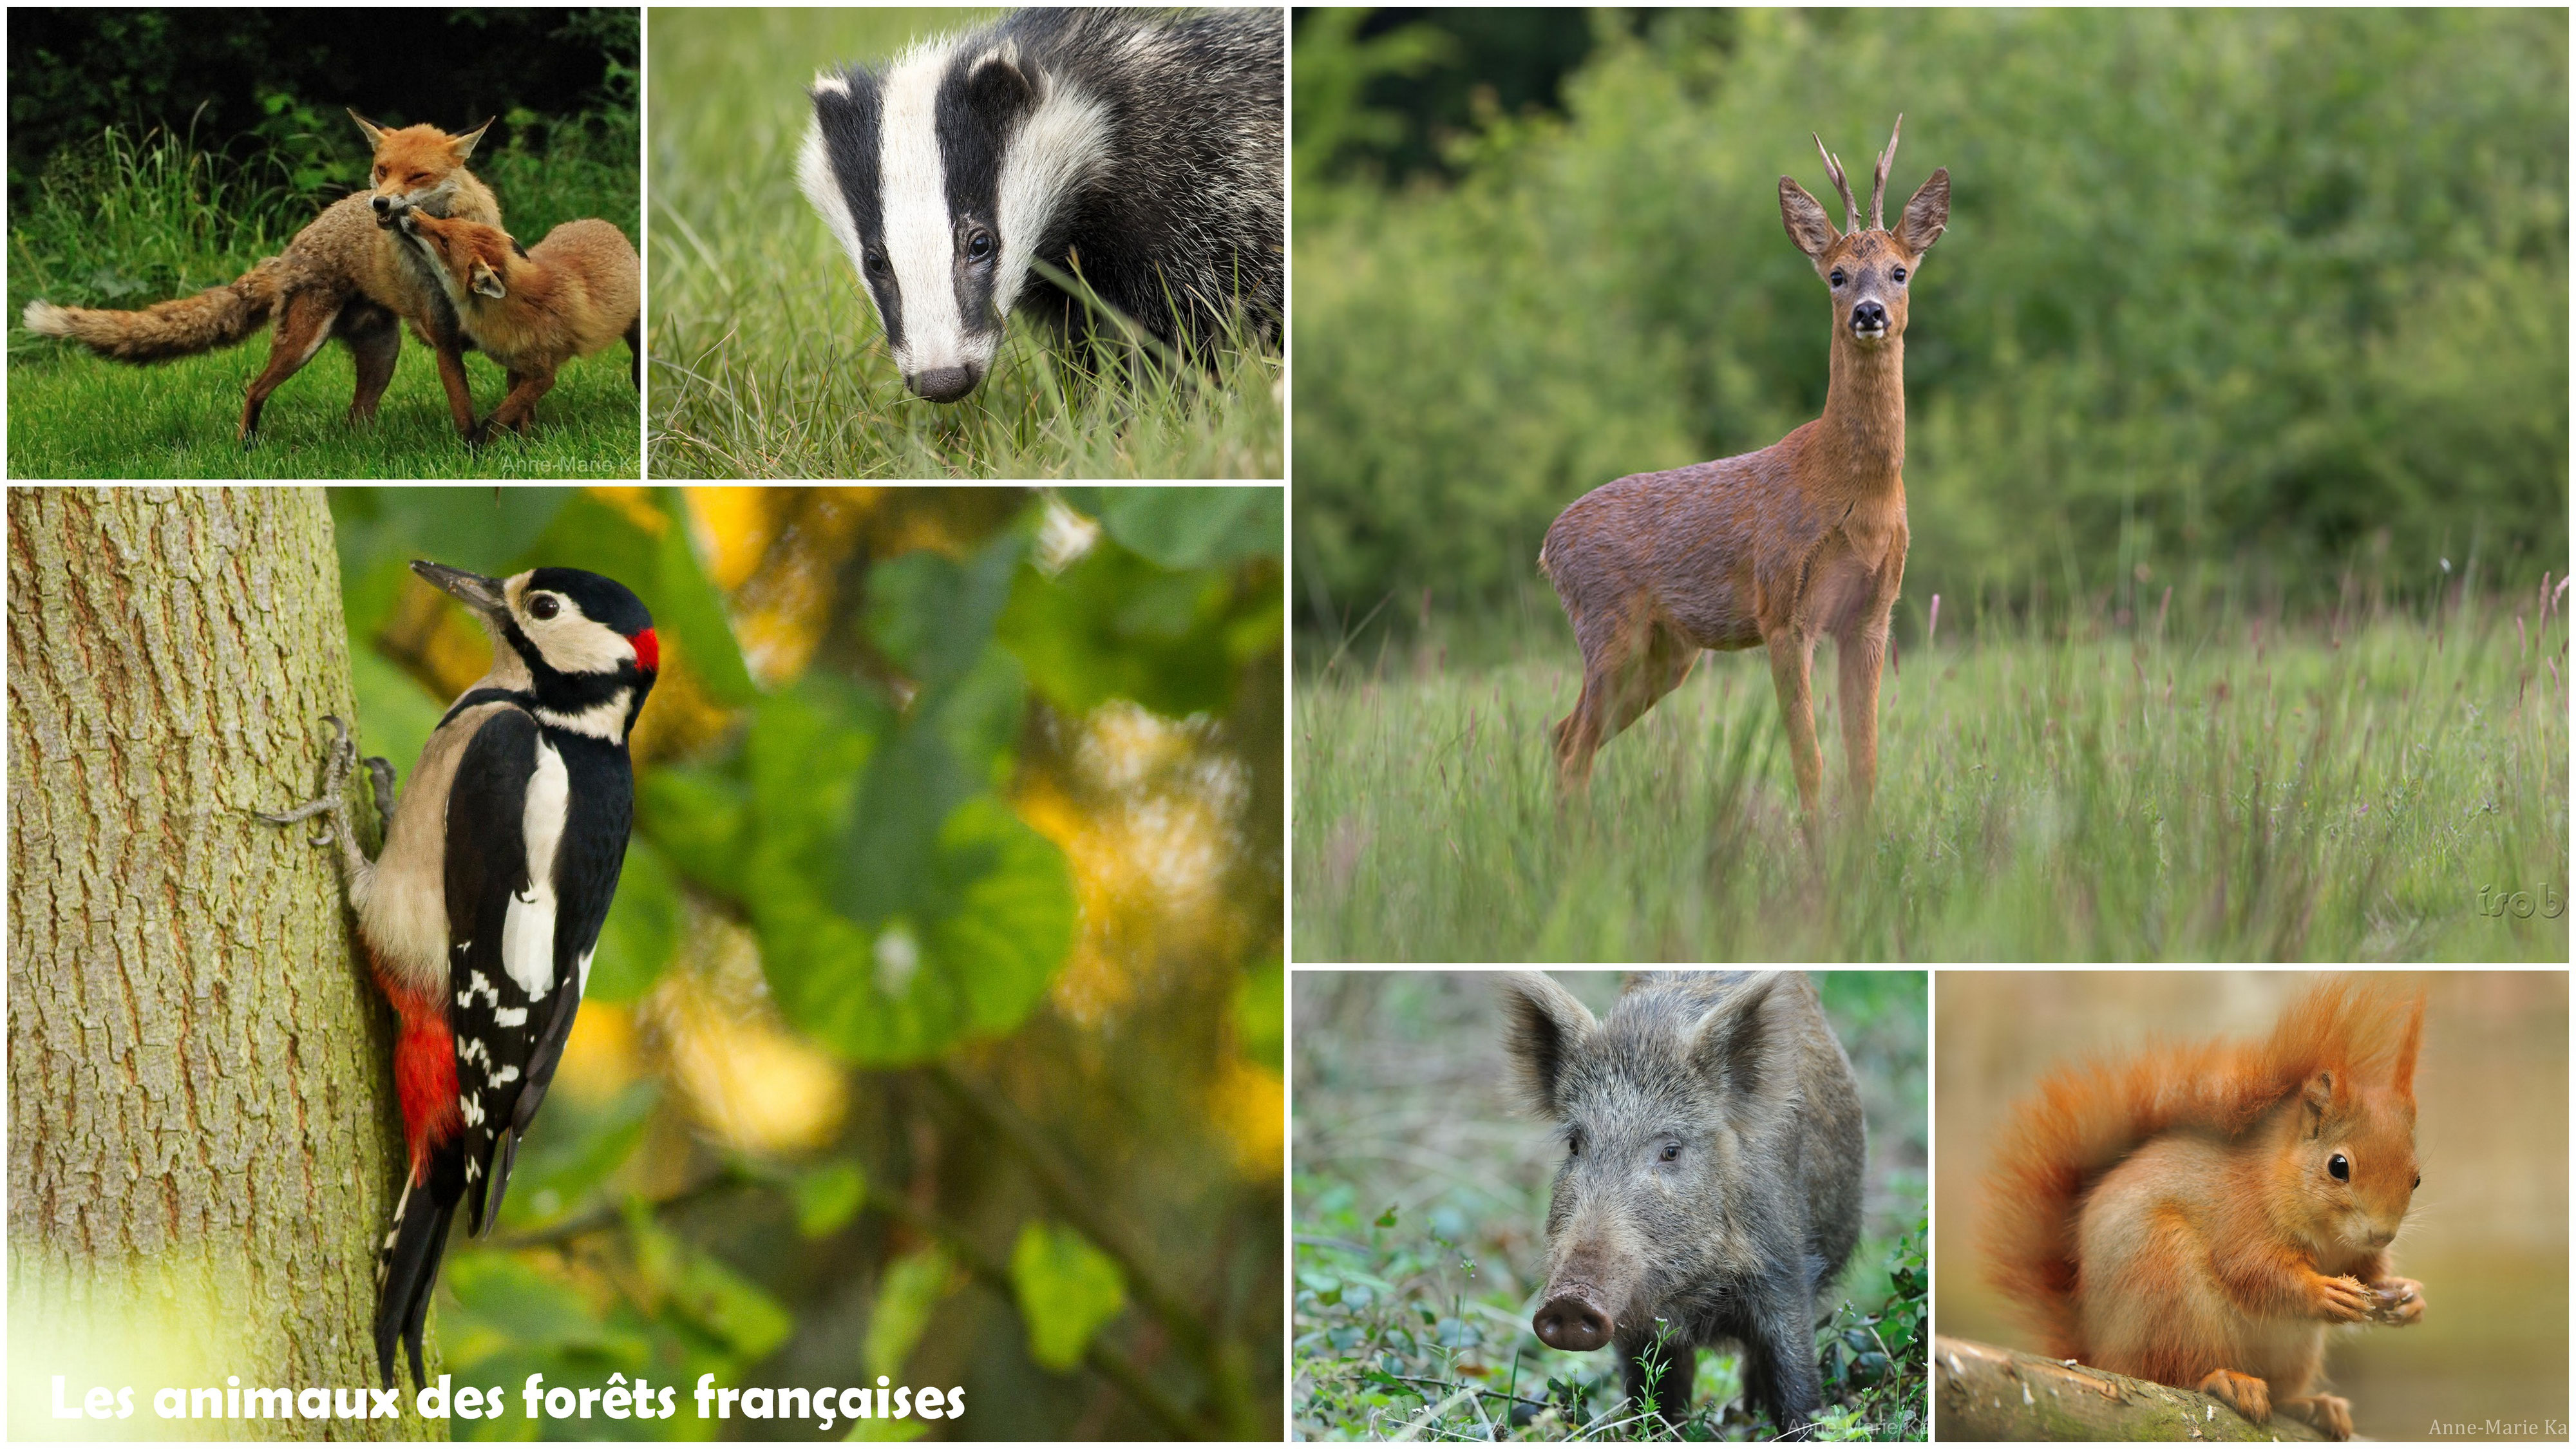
648	650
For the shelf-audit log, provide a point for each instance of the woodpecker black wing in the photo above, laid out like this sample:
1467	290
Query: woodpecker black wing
504	817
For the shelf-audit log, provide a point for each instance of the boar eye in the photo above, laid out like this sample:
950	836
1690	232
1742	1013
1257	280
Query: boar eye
2340	1166
1672	1152
1574	1144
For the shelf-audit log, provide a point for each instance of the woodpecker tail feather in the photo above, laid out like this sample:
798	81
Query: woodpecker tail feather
406	1271
180	327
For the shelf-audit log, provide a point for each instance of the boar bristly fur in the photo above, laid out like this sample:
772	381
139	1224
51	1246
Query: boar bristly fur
1711	1187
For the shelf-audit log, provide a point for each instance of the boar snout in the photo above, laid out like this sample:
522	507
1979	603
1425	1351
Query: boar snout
1574	1320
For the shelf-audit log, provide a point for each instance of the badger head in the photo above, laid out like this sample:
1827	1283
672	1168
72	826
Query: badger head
941	175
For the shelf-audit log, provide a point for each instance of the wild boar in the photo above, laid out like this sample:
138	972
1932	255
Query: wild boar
1711	1187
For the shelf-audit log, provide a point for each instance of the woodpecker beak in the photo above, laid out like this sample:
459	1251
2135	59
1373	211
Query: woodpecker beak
482	594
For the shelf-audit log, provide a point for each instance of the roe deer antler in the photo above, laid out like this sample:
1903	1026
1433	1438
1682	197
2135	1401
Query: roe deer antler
1834	169
1878	188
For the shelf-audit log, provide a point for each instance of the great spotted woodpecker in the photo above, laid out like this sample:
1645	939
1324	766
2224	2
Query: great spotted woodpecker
481	911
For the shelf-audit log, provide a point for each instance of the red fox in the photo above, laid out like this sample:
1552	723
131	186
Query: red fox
344	275
568	296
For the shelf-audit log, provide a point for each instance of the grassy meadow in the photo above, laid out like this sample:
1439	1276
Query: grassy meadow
766	355
1420	1198
128	222
2374	784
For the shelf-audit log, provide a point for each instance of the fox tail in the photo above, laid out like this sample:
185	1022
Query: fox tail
180	327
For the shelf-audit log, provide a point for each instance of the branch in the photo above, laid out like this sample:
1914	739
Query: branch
1065	1191
1987	1392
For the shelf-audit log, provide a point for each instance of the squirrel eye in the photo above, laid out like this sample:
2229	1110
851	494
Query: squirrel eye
543	606
2340	1166
2419	1179
1672	1152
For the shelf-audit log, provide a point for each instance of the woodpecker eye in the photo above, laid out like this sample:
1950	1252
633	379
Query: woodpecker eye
2340	1166
1672	1152
1899	274
544	606
979	246
1838	276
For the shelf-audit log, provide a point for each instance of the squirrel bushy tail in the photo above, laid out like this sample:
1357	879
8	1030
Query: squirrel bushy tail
2083	1120
180	327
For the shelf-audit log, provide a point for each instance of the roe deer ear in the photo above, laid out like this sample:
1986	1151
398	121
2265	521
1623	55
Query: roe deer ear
1927	215
1804	216
1542	1024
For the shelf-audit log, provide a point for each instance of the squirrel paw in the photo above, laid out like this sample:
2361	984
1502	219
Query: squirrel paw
2343	1300
2244	1393
2331	1415
2397	1302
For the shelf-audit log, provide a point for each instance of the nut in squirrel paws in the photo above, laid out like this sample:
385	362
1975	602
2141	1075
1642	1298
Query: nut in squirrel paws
2331	1415
2343	1300
2397	1302
2244	1393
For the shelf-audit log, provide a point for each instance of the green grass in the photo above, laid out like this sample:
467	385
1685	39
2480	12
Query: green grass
2241	790
767	359
124	223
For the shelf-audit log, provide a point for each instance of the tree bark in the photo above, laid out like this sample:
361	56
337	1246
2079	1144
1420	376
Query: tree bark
1987	1392
202	1146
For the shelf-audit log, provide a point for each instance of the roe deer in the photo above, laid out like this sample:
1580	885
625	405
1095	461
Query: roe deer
1803	538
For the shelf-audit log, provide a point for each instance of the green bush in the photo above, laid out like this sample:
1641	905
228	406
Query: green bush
2226	298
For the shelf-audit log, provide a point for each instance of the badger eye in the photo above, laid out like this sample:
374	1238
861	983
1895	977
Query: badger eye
1838	276
544	606
1672	1152
979	246
878	264
2340	1166
1899	274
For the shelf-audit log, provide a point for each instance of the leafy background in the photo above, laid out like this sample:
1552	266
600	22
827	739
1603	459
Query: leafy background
2230	300
936	1030
1420	1207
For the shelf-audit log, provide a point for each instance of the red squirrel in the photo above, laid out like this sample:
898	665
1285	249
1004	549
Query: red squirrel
2199	1215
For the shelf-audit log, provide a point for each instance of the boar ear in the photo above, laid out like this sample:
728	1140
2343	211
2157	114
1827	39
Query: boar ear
1737	1048
1542	1025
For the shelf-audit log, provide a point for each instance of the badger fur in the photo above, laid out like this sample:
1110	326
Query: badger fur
1136	149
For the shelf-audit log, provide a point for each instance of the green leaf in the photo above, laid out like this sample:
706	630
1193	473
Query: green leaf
828	1197
1067	1290
580	1148
954	744
1114	625
642	930
1190	528
933	615
702	821
688	603
703	1291
379	531
1260	1012
913	1287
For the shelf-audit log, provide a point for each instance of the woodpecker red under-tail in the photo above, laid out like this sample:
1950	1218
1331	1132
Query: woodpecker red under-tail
481	911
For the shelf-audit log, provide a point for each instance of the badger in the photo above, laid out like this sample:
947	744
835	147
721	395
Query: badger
1138	150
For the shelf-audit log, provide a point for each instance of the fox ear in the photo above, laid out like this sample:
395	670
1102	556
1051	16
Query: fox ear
464	145
375	133
488	281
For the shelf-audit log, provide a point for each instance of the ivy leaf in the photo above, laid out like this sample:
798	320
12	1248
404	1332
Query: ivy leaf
1067	1290
828	1197
913	1286
1190	528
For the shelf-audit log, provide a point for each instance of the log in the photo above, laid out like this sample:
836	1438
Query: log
1985	1392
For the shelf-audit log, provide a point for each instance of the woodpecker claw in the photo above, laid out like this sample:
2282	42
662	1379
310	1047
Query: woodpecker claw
332	805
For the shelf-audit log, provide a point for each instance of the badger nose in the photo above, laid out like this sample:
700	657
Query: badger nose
1869	317
1573	1323
944	384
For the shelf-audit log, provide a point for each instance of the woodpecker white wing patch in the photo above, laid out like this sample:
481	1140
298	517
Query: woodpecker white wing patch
528	929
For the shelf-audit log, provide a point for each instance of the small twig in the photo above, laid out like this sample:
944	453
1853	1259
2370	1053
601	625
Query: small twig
611	1214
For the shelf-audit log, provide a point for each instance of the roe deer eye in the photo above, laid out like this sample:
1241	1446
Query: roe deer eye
1900	274
1838	276
2340	1166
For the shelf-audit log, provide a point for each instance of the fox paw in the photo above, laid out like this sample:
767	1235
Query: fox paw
2331	1415
2244	1393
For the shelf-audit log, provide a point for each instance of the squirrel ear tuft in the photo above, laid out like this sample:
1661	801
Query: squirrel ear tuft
2403	1077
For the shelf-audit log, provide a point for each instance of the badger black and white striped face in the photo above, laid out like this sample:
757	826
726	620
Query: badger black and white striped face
940	175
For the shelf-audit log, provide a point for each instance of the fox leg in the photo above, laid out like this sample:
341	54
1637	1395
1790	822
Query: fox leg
303	324
519	409
375	341
445	341
635	350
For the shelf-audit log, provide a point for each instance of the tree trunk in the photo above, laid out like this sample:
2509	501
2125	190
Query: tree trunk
202	1146
1987	1392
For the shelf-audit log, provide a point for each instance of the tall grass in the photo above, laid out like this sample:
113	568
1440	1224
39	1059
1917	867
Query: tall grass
767	359
2377	784
131	219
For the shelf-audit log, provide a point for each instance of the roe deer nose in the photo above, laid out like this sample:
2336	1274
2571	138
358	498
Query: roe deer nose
1869	317
1571	1324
